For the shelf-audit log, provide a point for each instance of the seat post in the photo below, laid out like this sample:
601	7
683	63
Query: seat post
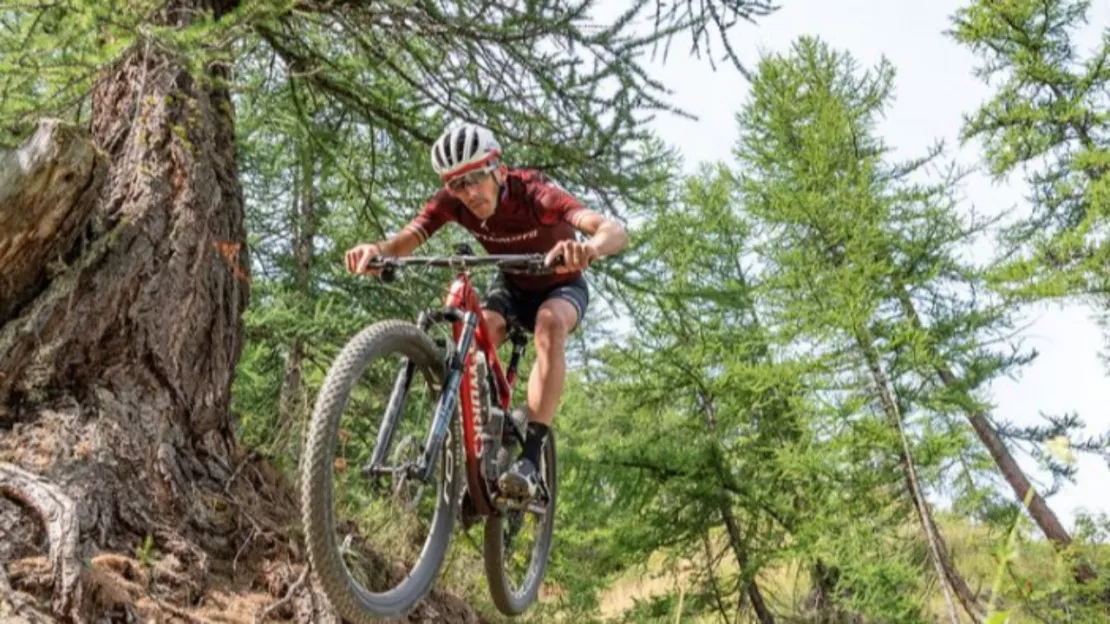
520	341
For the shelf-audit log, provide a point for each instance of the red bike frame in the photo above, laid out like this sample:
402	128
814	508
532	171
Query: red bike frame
471	335
463	297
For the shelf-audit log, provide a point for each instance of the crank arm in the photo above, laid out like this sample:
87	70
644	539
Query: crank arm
504	504
411	470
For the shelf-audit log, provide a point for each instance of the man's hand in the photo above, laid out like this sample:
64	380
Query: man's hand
360	256
576	256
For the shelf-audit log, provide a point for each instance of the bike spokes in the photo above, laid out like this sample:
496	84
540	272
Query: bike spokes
518	541
391	505
377	529
522	537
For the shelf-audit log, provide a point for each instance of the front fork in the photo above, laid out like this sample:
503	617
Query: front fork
449	395
445	407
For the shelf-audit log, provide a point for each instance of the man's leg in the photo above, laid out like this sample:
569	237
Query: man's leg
497	308
554	322
556	318
495	322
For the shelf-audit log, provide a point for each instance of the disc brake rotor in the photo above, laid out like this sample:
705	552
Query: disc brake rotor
406	489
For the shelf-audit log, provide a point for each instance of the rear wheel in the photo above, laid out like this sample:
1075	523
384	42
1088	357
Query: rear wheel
363	581
515	573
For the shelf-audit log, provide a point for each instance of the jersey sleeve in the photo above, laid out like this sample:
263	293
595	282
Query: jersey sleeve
436	213
554	203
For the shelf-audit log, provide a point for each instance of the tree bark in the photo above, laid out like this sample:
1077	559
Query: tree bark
950	579
120	343
1038	509
124	277
47	191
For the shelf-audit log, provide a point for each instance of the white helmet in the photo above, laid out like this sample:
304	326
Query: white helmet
463	149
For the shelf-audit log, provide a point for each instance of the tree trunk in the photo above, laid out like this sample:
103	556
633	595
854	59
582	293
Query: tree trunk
292	407
950	579
749	586
1038	509
710	565
821	598
123	271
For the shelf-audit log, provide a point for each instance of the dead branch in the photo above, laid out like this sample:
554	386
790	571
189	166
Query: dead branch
292	591
47	192
59	516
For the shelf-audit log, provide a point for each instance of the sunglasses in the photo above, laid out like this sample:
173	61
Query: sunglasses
468	179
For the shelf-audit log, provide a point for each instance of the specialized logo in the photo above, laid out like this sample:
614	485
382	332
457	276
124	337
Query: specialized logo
449	465
481	411
515	238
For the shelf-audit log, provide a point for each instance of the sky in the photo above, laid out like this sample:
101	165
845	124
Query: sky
934	87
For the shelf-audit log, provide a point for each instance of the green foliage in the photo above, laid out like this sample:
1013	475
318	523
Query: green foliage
336	107
862	265
1048	116
689	403
726	415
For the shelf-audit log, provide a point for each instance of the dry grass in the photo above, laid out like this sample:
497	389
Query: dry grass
972	547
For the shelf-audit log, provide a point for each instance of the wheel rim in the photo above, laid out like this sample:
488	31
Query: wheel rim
355	565
522	586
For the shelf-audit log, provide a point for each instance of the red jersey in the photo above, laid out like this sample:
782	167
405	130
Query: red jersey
533	213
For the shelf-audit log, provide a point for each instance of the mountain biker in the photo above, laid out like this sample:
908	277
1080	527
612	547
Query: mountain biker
513	211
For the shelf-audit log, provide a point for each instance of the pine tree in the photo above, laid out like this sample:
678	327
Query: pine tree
836	223
1048	119
699	436
685	458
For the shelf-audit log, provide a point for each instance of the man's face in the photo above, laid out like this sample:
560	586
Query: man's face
478	191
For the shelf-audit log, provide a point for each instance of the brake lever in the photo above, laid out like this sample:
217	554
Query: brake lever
547	270
388	269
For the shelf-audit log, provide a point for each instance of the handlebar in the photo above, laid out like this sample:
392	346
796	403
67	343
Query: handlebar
528	264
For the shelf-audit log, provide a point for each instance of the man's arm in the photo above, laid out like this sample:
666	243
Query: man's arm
607	236
432	217
402	243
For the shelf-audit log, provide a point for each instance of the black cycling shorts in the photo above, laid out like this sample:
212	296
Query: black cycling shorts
523	305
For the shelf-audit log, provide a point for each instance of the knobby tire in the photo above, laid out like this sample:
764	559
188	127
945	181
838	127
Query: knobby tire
511	602
353	602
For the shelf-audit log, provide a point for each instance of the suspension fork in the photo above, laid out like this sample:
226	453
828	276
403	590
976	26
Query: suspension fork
449	395
401	386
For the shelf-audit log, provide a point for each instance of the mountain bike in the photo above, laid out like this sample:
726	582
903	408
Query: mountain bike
466	379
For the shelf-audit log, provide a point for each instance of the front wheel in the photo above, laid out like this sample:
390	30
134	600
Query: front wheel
515	575
362	582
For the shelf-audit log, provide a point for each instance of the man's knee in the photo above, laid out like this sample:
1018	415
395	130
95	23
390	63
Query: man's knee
554	321
496	324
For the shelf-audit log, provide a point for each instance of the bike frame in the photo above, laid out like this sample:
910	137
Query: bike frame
473	328
463	310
